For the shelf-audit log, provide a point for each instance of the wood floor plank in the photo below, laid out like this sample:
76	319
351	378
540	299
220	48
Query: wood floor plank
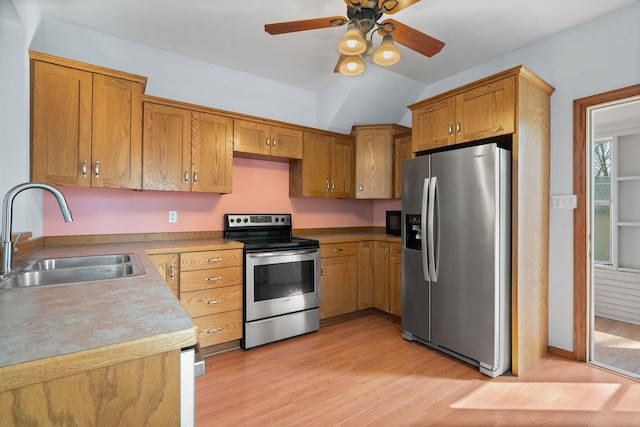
362	373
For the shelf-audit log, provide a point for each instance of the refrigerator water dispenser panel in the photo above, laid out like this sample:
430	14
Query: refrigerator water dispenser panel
413	231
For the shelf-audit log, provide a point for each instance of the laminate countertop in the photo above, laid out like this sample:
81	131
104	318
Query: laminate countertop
53	331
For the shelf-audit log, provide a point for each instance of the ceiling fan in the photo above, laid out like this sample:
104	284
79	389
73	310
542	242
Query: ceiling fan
363	19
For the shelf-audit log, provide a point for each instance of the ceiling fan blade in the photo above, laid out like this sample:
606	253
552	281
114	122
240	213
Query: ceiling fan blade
342	58
307	24
413	39
392	6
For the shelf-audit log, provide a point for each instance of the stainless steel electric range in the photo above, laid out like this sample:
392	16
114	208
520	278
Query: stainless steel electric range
281	278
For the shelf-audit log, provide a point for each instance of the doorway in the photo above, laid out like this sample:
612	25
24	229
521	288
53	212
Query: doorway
605	216
614	188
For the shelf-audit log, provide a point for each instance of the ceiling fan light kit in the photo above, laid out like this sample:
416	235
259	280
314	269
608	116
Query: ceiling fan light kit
353	42
363	17
387	53
351	66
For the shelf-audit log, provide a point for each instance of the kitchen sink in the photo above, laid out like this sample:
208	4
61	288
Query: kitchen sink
57	271
79	261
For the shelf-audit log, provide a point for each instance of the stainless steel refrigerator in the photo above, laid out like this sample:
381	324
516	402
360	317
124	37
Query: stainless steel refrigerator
456	254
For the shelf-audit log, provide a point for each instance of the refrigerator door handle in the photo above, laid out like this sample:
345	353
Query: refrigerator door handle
434	228
424	232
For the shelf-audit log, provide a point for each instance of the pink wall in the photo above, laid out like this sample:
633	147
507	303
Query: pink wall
258	187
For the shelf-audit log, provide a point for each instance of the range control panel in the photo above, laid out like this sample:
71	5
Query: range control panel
253	220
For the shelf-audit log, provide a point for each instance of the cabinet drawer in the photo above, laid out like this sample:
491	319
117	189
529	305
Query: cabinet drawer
198	280
395	249
219	328
338	249
212	301
210	259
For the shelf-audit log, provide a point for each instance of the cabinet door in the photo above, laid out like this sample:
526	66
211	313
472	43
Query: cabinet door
212	153
166	148
395	279
116	148
286	142
402	151
338	287
342	167
251	137
310	177
365	275
433	125
486	111
374	164
168	266
381	276
61	125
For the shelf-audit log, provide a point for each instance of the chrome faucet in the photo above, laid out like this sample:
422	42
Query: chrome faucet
7	212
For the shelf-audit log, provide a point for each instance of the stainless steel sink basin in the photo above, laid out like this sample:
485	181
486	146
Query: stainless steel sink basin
57	271
79	261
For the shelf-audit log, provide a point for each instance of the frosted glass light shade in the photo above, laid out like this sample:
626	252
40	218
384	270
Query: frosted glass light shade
352	66
387	53
353	43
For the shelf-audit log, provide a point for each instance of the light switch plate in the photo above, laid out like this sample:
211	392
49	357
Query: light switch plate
564	201
173	216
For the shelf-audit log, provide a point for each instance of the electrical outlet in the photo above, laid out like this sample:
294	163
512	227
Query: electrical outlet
173	216
566	201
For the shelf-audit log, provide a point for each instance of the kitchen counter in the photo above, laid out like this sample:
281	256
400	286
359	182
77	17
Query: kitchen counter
351	237
54	331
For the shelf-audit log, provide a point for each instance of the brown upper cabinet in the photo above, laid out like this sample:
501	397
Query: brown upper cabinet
403	150
266	140
475	113
86	124
326	169
375	146
186	148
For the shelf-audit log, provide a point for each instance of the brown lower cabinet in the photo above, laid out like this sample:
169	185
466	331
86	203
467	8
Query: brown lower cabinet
338	279
359	275
209	287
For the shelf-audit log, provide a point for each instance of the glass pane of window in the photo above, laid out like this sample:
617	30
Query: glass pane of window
602	234
602	158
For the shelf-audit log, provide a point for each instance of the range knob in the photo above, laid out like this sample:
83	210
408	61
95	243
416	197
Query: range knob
246	220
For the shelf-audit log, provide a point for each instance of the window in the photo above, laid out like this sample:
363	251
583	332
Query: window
602	200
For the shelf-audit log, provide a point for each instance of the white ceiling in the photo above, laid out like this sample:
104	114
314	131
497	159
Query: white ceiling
231	33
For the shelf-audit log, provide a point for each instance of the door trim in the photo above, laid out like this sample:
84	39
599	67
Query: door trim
580	244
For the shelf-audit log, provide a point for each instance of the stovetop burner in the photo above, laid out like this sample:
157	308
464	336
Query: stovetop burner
264	232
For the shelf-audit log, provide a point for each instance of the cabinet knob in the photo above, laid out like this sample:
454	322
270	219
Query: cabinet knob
84	169
195	177
322	271
267	142
458	128
327	187
97	169
450	129
186	176
361	187
273	143
172	269
333	186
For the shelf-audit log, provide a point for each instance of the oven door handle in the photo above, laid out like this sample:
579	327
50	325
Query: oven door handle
282	253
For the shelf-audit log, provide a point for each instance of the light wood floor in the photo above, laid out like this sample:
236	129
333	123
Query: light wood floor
361	372
617	344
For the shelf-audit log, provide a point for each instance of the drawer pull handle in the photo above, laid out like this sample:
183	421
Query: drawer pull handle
213	259
212	279
211	331
218	301
338	250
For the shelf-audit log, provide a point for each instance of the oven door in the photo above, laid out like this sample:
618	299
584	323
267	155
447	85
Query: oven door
281	282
